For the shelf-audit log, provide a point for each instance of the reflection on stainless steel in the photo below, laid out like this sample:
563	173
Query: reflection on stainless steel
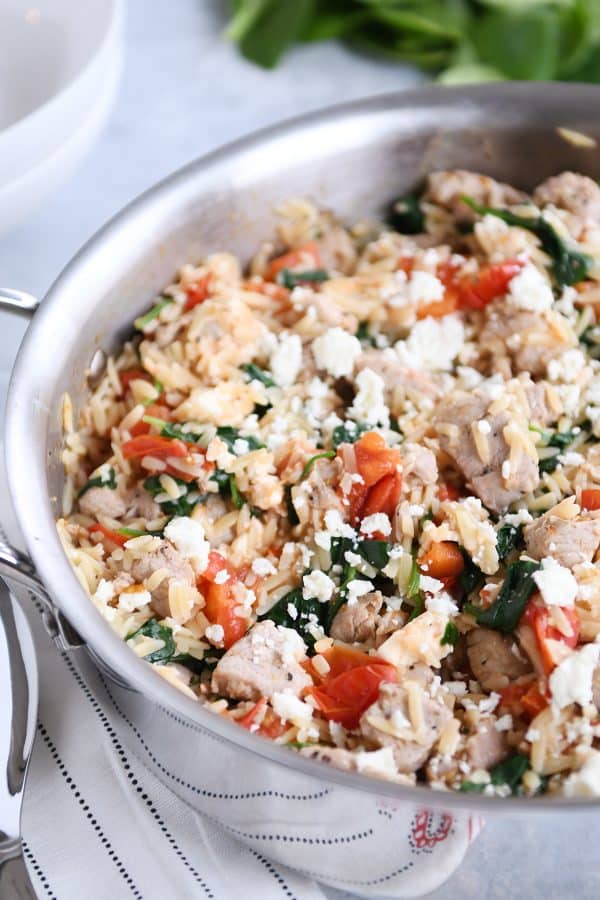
354	159
18	710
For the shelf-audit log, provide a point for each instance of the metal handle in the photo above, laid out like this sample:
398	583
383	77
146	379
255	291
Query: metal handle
18	568
15	883
19	302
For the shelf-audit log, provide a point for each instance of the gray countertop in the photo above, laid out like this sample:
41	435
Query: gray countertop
185	91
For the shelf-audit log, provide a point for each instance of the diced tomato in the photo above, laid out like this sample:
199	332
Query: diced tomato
537	616
126	376
272	726
343	696
448	492
443	560
490	282
293	259
374	459
383	497
109	534
525	699
405	264
197	293
221	600
590	498
438	308
381	484
340	658
154	445
248	720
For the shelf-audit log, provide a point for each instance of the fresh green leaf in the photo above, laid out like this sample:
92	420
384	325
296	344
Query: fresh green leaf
471	576
264	29
172	430
326	454
406	216
228	487
101	482
255	373
291	509
377	553
507	539
509	772
451	634
141	322
307	612
523	44
413	588
230	435
348	433
364	335
153	629
506	610
569	266
469	73
291	279
183	506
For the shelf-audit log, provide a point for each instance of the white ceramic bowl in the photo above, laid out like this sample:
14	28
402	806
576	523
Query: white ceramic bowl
59	61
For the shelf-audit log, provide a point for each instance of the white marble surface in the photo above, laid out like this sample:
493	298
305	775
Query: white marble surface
184	92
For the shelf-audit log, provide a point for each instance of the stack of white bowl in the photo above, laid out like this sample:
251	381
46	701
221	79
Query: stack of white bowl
60	63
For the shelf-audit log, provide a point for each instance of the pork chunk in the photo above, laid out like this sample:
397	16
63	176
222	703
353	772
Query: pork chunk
337	250
396	375
493	660
176	568
446	188
485	479
387	723
526	340
103	501
568	541
577	194
318	490
265	661
544	406
419	463
356	623
486	747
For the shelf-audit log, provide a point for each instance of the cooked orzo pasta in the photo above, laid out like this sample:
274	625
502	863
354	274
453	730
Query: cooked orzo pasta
350	497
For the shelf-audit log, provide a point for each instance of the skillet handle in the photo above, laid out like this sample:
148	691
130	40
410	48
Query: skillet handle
19	302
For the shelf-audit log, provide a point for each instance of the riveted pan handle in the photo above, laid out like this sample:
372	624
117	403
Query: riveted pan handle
19	302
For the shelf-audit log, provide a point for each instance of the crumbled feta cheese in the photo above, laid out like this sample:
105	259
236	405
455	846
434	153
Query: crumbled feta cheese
506	469
336	351
292	611
530	290
317	585
132	600
240	446
567	366
441	603
188	537
286	360
369	402
586	781
433	344
377	762
262	567
104	592
483	426
377	522
214	634
571	681
222	577
292	709
356	588
521	517
504	723
556	583
430	585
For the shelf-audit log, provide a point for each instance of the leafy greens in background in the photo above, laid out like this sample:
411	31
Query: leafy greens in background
460	40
